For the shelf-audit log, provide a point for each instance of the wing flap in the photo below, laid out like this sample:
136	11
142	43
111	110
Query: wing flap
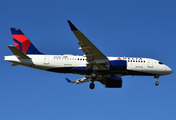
88	48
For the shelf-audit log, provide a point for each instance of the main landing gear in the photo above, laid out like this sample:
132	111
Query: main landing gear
92	85
93	76
156	78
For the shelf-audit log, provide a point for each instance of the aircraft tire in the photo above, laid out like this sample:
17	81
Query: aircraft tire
156	83
92	85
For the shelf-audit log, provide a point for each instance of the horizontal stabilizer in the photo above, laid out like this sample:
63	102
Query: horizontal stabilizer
15	64
18	53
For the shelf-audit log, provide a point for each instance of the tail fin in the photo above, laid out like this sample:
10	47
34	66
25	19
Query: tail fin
22	43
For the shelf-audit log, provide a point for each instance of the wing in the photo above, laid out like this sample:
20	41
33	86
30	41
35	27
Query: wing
87	79
95	58
82	80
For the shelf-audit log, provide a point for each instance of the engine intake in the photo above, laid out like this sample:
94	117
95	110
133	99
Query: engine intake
114	82
118	65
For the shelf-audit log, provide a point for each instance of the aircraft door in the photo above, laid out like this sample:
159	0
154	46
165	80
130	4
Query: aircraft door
46	59
150	63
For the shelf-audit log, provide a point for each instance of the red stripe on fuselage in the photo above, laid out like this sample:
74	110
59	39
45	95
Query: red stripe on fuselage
24	41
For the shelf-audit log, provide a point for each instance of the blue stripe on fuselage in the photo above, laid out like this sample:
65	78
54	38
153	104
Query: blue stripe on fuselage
83	71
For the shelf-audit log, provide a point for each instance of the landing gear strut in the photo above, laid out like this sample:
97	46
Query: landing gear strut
156	78
93	76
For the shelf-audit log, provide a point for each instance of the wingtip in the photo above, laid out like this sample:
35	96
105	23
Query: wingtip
71	25
69	81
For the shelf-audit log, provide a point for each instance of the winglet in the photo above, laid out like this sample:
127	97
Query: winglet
69	81
72	26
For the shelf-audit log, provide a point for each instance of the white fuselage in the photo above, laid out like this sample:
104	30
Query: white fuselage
46	62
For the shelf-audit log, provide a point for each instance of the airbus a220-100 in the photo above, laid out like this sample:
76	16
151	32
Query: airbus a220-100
94	65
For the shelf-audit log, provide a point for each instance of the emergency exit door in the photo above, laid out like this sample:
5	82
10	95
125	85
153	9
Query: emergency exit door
46	59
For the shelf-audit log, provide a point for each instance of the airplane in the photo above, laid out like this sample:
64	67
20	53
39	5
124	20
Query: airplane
94	65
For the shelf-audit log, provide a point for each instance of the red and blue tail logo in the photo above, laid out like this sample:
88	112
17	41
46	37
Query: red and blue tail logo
22	43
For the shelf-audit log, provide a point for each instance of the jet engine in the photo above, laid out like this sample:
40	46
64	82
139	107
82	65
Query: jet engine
118	65
114	82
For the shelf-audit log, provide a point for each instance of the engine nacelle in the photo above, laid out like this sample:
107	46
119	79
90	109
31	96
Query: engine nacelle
118	65
114	82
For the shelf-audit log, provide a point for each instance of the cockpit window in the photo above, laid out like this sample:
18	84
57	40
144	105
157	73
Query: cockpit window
160	63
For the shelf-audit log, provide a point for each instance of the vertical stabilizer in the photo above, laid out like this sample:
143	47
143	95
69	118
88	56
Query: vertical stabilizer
22	43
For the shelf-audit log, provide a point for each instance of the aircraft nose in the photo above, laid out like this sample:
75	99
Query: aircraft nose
169	70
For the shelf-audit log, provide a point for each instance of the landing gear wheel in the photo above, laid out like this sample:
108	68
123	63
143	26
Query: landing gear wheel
156	78
157	83
92	85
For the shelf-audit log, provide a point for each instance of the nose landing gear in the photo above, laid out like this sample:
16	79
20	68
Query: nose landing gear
156	78
156	83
